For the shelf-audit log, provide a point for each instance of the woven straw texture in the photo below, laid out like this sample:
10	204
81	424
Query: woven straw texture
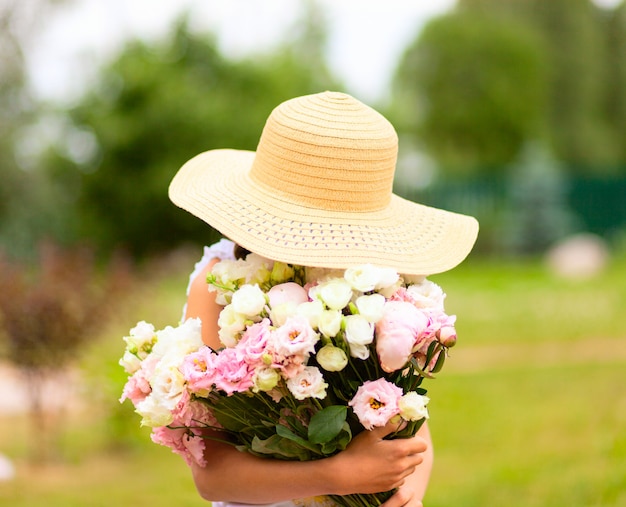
318	192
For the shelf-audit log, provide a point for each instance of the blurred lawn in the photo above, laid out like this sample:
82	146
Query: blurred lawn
530	409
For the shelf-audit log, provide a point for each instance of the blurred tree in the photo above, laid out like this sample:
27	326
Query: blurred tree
155	107
47	314
574	39
472	87
24	197
614	26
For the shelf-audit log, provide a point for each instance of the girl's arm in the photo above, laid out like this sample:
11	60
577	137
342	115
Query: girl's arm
368	465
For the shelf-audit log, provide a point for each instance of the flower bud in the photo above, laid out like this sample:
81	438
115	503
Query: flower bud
332	358
447	336
266	379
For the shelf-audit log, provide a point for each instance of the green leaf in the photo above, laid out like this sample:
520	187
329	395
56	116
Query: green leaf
285	432
439	363
280	448
327	423
339	443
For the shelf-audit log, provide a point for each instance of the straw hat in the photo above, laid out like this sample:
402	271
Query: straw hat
318	192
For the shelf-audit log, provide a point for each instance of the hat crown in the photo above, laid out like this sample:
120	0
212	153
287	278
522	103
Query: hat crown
327	151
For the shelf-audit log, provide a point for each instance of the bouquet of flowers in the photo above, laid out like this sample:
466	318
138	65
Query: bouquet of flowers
311	357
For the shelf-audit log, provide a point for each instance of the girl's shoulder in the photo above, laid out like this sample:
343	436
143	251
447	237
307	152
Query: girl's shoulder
222	250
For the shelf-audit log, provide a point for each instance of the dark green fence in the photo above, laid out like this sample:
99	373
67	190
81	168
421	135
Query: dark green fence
529	215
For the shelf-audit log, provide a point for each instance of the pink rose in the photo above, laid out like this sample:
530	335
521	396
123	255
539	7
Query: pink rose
375	402
289	292
182	441
184	434
295	338
198	369
397	332
137	388
232	372
193	413
254	342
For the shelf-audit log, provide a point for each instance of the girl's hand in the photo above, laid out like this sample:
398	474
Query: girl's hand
404	497
371	464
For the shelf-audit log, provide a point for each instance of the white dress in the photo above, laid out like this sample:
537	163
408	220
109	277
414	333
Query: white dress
224	250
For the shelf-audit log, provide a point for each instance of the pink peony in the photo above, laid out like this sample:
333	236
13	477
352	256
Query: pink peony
232	373
375	402
397	333
289	292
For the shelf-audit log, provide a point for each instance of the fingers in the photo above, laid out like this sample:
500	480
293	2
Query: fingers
404	497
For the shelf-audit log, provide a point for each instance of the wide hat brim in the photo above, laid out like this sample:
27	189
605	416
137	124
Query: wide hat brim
412	238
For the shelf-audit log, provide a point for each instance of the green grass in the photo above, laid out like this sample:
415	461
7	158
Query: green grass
530	409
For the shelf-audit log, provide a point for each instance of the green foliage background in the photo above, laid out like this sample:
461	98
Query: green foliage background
472	91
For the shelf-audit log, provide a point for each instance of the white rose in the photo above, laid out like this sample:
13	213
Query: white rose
228	272
329	322
280	313
413	406
318	275
309	383
141	339
177	342
371	307
359	334
391	289
249	300
167	384
231	324
312	310
335	293
130	362
413	279
153	412
367	277
427	295
258	269
331	358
